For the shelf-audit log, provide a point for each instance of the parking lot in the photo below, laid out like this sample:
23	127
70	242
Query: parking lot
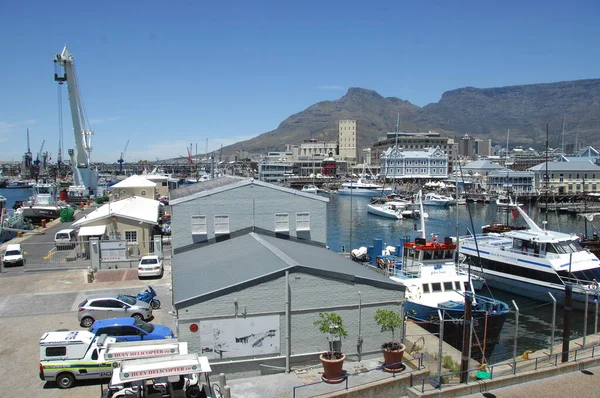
34	303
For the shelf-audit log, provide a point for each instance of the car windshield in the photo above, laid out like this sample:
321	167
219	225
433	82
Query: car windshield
12	253
145	326
125	299
149	261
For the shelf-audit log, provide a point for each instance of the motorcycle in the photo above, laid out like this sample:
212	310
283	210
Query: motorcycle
148	295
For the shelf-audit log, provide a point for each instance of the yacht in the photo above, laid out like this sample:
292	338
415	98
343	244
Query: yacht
533	262
362	187
310	188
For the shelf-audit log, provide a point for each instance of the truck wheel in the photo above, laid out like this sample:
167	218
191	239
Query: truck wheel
155	304
65	380
87	322
138	316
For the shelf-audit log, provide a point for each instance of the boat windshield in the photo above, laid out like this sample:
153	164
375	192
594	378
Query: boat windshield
564	247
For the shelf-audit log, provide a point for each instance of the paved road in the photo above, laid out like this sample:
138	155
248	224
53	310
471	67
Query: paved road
34	303
582	384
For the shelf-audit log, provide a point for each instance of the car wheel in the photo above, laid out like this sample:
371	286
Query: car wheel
138	316
87	322
65	380
193	392
155	304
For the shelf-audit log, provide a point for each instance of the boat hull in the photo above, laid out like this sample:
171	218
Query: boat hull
486	326
383	212
370	193
38	213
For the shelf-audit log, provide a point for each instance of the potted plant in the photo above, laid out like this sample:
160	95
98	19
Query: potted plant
393	351
333	360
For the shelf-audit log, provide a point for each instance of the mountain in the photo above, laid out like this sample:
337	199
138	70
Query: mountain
484	113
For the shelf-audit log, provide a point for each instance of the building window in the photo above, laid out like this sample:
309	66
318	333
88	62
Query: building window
221	224
302	221
131	236
199	225
282	222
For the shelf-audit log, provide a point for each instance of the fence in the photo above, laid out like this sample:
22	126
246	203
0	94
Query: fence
365	377
500	370
77	255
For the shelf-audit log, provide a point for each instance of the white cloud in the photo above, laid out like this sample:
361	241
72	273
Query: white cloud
331	87
6	127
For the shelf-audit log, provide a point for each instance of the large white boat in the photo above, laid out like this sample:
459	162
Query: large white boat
44	204
362	187
533	262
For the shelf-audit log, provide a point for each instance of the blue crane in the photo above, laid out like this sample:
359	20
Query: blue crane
120	161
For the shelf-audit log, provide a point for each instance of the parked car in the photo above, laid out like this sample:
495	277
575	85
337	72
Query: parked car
150	266
13	256
111	306
131	329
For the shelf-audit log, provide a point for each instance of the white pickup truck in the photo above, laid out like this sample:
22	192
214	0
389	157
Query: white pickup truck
80	355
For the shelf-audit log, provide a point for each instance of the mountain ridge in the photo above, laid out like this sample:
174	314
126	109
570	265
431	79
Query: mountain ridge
480	112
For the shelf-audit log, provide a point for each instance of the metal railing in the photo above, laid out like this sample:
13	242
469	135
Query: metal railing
349	380
489	372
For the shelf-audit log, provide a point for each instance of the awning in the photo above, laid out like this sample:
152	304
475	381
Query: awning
96	230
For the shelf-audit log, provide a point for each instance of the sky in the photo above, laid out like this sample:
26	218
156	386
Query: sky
167	75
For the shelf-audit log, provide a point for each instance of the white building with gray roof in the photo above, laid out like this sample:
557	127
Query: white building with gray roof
568	177
250	297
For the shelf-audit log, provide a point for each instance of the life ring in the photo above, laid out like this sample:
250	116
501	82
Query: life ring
593	285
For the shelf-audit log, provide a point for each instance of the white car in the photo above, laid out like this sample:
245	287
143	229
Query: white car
150	266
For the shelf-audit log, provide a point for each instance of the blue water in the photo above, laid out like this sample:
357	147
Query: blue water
350	226
13	195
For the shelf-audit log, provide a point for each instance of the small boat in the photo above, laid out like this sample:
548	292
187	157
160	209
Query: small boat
435	199
505	203
310	188
535	261
436	284
390	209
362	187
19	185
592	244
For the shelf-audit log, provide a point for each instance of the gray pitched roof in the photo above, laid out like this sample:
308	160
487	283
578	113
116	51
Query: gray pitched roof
221	184
566	166
482	164
223	267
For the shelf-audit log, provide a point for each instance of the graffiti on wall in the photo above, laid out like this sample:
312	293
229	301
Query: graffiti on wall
240	337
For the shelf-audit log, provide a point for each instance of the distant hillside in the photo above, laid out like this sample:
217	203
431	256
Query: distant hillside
489	112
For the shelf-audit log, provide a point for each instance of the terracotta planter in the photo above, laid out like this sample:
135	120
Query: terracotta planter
333	368
392	358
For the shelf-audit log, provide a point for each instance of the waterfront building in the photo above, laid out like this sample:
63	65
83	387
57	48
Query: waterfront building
466	147
398	164
417	141
588	154
251	273
134	186
275	171
515	182
347	138
567	177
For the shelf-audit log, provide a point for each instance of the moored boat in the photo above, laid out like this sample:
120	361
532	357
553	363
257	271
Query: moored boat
534	262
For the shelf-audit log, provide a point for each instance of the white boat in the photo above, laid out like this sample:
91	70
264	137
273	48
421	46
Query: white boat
44	204
11	222
505	202
310	188
435	284
362	187
435	199
389	209
534	262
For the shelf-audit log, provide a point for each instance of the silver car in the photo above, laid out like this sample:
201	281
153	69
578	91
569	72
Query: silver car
111	306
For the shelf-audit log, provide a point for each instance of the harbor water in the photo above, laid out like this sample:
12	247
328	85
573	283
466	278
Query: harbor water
350	226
